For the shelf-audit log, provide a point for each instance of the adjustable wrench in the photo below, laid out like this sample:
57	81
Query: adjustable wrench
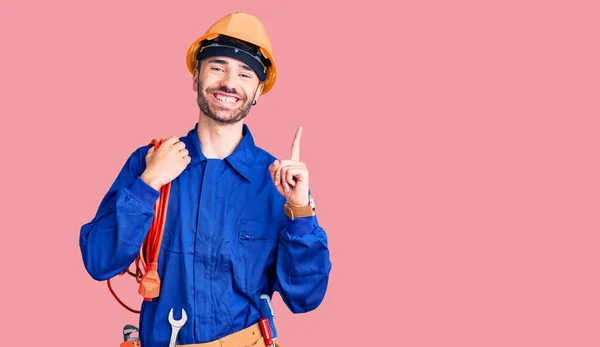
176	325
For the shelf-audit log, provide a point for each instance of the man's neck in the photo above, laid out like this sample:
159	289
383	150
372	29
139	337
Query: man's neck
218	140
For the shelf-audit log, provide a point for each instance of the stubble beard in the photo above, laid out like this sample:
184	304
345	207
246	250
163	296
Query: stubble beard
222	115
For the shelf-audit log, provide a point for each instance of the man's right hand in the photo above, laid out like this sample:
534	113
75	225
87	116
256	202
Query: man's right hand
166	163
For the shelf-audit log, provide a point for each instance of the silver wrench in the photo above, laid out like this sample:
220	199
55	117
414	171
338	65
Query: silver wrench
176	325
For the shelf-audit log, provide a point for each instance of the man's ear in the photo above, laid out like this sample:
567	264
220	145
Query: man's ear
259	91
195	82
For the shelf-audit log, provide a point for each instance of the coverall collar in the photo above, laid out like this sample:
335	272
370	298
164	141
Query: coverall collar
241	159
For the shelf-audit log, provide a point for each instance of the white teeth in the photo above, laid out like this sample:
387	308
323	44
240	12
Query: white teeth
227	99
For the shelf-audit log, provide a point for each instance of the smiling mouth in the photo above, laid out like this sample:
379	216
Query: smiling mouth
225	99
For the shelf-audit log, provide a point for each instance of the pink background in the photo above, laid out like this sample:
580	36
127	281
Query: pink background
453	151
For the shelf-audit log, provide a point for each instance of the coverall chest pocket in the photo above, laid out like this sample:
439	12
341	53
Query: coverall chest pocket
256	250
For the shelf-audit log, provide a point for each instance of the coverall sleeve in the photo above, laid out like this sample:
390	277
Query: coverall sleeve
111	241
303	264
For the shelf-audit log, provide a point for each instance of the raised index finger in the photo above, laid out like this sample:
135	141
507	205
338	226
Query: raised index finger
296	145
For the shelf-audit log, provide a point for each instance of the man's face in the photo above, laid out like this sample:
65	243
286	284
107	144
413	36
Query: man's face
226	89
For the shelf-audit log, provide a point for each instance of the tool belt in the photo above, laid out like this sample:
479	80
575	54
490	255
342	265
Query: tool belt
248	337
251	336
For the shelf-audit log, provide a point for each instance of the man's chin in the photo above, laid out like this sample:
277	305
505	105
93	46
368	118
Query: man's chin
222	115
225	118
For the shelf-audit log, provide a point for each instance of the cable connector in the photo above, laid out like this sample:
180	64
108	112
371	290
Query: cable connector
150	284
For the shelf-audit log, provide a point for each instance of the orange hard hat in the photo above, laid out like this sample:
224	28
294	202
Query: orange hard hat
244	27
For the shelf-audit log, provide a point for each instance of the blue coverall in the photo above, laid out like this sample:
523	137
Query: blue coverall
226	241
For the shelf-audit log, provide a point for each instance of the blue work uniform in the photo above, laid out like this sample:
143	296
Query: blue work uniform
226	241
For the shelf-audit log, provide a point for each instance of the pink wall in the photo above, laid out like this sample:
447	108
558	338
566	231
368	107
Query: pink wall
452	146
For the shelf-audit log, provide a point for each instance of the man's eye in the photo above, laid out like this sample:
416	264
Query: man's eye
217	69
246	75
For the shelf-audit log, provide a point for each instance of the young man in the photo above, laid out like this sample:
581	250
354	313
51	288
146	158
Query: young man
239	224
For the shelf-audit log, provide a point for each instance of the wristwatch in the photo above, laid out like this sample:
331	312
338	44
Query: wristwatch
303	211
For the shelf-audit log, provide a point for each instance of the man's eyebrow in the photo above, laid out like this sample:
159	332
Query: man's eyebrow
219	61
225	62
246	67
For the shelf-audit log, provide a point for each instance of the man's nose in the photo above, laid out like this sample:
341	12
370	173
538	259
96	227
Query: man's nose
228	82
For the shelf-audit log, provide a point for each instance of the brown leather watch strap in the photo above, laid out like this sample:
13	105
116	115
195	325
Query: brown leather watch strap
297	212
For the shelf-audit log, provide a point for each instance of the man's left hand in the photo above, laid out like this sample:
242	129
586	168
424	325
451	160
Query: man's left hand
291	176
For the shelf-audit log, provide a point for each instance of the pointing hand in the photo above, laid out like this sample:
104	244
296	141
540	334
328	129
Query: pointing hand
291	176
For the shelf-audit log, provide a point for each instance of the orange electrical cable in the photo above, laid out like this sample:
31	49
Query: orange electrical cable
148	278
